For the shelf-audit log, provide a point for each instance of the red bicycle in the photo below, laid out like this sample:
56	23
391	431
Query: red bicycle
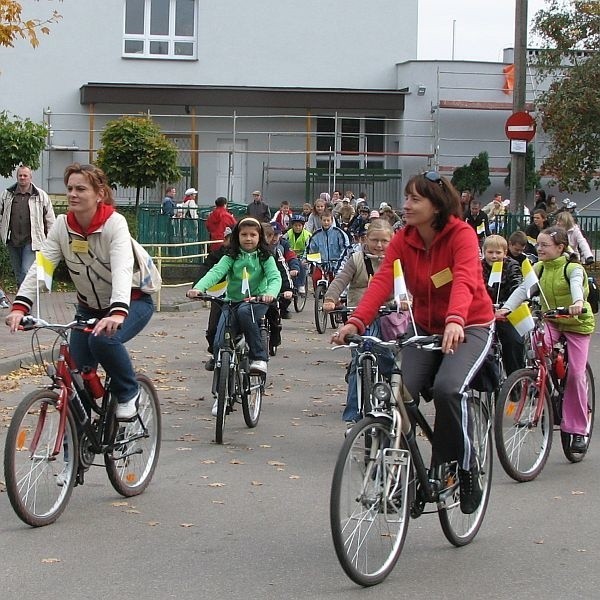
56	432
529	405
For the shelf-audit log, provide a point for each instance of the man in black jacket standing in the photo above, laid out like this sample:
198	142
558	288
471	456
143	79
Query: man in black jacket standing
478	220
258	209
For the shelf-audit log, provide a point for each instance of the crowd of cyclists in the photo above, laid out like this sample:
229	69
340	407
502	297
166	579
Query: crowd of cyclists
440	243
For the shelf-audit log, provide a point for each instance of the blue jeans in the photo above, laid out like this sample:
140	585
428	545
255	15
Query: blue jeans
89	350
21	259
385	362
246	319
300	279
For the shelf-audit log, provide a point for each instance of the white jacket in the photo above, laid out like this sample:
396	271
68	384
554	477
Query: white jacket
40	210
103	276
578	243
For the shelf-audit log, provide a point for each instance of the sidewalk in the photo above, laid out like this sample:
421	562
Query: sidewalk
59	307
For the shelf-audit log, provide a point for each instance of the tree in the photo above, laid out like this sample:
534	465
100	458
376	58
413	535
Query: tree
21	142
474	177
12	24
532	177
570	108
135	153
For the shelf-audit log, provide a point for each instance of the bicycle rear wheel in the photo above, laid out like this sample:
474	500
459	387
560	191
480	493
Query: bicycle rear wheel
136	444
300	299
369	503
523	440
565	438
252	396
39	483
458	527
223	392
320	315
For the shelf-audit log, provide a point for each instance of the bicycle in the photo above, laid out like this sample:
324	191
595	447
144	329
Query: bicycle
529	405
381	479
232	380
299	297
56	432
320	289
367	365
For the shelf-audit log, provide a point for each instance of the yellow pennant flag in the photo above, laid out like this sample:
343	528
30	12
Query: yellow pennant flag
45	270
521	319
480	228
245	282
315	257
531	240
216	291
399	283
496	274
529	277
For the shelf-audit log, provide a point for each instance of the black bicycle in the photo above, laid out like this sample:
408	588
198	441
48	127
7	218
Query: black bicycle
232	380
381	478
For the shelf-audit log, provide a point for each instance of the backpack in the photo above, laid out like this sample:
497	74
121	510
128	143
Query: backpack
593	294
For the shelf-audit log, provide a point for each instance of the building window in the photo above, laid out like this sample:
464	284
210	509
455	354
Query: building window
356	139
160	29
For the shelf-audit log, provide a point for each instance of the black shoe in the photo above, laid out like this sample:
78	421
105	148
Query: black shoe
470	490
209	365
578	443
286	314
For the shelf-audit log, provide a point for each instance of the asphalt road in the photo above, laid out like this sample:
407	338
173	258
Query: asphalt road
250	519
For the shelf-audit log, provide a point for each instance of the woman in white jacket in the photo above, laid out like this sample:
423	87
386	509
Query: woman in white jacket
577	240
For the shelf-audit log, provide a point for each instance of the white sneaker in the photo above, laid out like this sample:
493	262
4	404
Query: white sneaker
301	289
215	408
258	366
4	303
127	410
63	477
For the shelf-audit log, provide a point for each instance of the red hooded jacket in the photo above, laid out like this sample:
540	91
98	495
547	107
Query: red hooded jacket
446	281
216	222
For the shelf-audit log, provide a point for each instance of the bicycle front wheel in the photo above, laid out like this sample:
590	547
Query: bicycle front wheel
223	392
523	426
252	396
39	482
369	504
565	438
320	314
136	444
458	527
366	384
300	299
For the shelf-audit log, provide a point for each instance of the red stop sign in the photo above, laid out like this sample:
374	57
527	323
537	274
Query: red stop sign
520	126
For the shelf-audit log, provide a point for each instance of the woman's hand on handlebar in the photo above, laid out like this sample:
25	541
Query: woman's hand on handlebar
576	308
454	335
328	305
13	320
288	295
193	293
108	325
339	337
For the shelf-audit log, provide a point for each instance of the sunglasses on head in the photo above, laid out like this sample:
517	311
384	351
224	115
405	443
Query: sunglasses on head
433	176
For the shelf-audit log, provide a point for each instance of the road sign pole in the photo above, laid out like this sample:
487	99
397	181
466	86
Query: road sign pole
517	162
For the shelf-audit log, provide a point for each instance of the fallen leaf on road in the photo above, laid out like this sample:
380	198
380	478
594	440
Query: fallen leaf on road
236	461
218	502
275	463
186	525
294	477
208	461
120	503
50	560
265	446
577	493
132	511
153	523
184	449
538	541
257	483
216	484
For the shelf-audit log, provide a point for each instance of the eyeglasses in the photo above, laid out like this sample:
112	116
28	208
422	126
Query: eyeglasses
433	176
542	245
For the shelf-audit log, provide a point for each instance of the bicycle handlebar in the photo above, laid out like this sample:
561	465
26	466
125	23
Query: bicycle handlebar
29	322
429	343
222	301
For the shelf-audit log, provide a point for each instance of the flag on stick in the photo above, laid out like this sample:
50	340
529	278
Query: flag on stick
529	277
399	283
245	282
521	319
45	270
216	291
496	274
480	228
315	257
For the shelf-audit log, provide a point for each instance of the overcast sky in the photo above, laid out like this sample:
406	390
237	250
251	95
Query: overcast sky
483	28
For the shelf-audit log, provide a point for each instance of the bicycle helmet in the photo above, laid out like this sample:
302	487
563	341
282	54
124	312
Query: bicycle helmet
297	219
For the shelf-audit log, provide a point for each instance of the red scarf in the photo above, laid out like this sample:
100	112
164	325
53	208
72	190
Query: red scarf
103	212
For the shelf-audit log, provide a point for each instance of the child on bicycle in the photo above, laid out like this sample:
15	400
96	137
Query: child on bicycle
439	254
250	269
563	282
356	274
297	237
331	243
495	250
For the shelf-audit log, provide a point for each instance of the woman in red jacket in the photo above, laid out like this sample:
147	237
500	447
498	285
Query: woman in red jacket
439	254
218	220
